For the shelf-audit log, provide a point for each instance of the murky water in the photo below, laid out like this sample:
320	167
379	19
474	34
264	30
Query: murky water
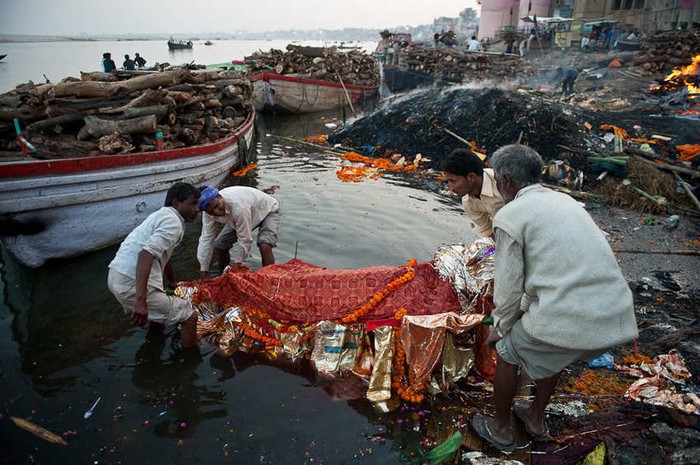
64	341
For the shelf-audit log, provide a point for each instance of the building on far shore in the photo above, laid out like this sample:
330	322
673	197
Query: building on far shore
641	15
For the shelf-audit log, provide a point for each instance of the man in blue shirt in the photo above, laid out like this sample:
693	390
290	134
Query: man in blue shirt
567	77
107	63
128	63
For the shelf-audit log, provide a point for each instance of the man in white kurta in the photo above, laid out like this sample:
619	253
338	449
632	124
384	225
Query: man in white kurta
559	293
240	209
142	263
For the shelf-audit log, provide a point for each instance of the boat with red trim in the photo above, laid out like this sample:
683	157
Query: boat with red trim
79	205
292	93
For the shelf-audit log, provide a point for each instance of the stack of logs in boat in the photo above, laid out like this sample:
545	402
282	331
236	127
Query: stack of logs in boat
664	51
456	64
324	63
121	112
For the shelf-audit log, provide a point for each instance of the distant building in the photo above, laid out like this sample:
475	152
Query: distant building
646	15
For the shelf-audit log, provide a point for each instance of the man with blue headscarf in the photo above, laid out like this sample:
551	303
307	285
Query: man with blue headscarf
240	209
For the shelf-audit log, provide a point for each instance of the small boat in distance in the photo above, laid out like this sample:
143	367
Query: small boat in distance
179	44
208	42
296	94
2	56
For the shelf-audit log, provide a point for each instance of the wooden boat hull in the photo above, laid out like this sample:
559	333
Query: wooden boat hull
178	46
86	204
293	94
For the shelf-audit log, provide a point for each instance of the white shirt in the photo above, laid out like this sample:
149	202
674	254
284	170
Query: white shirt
246	207
482	210
158	235
474	45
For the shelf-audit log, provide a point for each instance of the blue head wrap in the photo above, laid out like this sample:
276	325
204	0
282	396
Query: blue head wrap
207	195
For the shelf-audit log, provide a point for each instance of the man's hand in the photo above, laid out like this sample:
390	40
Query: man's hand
493	338
139	317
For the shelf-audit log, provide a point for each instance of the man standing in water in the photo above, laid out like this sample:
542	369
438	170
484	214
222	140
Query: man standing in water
143	260
476	186
240	209
559	293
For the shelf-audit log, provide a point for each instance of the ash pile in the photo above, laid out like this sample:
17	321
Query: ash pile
460	65
643	162
422	122
122	112
324	63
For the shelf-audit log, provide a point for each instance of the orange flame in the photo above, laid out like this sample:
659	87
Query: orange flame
681	76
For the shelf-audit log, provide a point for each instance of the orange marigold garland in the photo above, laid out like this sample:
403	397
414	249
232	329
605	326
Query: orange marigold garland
244	171
381	295
352	174
253	334
407	393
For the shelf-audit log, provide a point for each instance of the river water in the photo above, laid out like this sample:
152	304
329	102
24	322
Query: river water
64	341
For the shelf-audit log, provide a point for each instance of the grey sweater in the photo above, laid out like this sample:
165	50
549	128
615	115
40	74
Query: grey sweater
551	255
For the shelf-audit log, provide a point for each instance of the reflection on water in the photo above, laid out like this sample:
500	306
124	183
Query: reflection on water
65	341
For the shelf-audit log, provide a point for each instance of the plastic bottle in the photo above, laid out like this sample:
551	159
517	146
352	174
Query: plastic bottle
159	141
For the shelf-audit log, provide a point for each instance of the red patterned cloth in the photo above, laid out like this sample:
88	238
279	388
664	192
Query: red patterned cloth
301	293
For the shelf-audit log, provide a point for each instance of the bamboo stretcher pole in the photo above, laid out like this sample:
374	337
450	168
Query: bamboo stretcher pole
346	91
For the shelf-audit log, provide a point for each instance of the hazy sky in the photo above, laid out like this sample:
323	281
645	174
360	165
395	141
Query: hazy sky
72	17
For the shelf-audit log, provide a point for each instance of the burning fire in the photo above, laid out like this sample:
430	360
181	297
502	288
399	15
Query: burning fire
687	76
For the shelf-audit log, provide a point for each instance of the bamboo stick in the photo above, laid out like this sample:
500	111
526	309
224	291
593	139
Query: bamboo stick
687	190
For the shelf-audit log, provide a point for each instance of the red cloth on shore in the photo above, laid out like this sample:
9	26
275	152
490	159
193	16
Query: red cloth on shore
297	292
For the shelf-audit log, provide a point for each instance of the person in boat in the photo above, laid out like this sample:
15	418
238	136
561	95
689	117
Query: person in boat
128	63
139	61
108	64
476	186
559	294
240	209
143	261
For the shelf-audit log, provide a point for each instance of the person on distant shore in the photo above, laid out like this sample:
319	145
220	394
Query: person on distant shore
128	63
473	45
476	186
143	260
139	60
240	209
559	294
108	64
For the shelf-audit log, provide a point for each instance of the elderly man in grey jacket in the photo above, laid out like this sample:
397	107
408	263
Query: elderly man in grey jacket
559	293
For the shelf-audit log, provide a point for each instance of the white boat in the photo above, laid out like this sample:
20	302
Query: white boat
296	94
85	204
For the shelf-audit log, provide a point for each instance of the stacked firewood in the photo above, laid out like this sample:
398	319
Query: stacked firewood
456	64
122	112
324	63
664	51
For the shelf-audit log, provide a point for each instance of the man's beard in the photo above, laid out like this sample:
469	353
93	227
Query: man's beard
506	197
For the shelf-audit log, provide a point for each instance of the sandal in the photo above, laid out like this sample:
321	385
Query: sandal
478	424
520	410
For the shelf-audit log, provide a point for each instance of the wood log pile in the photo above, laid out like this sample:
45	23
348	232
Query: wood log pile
121	112
326	63
664	51
456	64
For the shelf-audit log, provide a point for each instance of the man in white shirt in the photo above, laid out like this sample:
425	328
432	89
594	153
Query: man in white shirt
240	209
473	45
476	186
143	260
559	294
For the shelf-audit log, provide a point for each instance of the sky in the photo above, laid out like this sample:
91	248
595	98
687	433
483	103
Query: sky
74	17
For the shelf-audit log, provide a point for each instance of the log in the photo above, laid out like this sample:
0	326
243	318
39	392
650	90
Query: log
159	111
97	127
50	123
98	76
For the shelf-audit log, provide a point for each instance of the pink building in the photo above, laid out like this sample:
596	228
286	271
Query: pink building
498	13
